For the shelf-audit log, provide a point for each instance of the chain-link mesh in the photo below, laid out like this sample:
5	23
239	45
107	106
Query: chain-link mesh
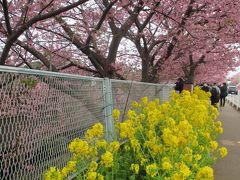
39	116
124	92
40	113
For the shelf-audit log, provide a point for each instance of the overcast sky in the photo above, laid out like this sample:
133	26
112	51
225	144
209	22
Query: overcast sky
232	73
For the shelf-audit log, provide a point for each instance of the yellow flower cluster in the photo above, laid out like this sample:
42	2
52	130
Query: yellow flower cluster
95	131
166	164
53	174
85	153
79	147
152	169
114	146
171	141
223	151
205	173
107	159
135	168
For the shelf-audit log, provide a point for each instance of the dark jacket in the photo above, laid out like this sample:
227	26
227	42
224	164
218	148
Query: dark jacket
179	85
223	91
215	95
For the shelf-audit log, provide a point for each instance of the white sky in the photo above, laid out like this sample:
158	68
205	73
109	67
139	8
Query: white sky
232	73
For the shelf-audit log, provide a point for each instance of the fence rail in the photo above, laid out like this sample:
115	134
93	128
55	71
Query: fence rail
234	100
41	112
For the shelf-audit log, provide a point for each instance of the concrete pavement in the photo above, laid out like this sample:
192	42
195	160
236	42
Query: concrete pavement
228	168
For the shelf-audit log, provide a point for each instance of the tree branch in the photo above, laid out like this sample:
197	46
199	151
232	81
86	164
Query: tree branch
38	55
100	22
24	60
149	17
71	64
6	16
122	32
95	58
111	23
45	7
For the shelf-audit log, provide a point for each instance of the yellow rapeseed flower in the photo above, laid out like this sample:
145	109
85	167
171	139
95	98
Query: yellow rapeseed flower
53	174
135	168
116	114
169	139
223	152
65	172
126	129
197	157
100	177
143	161
152	170
92	152
91	175
93	166
213	145
220	130
135	144
107	159
114	146
219	123
97	131
156	148
177	176
135	104
205	173
132	115
102	143
184	169
78	146
72	166
145	101
166	165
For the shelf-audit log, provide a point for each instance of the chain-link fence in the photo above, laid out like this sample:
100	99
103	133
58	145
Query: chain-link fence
124	92
41	112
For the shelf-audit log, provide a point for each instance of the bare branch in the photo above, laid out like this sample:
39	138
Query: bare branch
122	32
6	16
38	55
100	22
23	59
45	7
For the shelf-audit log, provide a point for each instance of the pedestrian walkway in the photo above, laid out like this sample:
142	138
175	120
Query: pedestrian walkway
228	168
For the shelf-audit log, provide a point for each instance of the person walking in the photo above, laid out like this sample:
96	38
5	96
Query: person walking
179	85
223	94
205	87
215	91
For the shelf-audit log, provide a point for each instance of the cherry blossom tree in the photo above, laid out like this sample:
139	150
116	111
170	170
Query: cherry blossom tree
236	79
18	16
168	38
157	34
208	44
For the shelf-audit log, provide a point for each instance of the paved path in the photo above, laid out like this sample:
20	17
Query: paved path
228	168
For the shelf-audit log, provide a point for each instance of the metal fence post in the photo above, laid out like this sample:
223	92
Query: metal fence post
163	95
108	108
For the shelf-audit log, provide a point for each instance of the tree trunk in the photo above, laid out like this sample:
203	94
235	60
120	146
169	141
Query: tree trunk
145	69
190	78
5	51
